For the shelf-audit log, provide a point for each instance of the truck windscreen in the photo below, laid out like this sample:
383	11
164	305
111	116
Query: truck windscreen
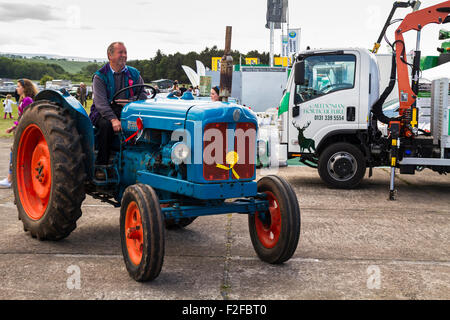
325	74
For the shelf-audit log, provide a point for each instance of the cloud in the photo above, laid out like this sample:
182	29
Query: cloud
149	30
21	11
144	3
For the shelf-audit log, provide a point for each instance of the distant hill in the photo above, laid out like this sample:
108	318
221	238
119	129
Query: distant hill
68	66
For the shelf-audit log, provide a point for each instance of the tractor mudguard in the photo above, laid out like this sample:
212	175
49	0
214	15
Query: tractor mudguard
83	123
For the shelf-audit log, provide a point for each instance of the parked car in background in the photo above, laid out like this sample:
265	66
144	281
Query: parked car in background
163	84
7	87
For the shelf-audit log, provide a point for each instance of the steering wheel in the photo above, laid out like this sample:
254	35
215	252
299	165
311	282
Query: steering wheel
113	101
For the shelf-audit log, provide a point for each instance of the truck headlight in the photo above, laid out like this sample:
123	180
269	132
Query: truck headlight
180	153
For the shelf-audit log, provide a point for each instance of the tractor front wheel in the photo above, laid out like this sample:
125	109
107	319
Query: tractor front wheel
276	232
142	232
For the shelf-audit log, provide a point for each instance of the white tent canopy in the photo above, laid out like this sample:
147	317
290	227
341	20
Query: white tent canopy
201	70
194	78
442	71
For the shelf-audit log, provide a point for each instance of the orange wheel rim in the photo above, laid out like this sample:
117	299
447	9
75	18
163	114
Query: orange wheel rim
134	233
34	174
269	227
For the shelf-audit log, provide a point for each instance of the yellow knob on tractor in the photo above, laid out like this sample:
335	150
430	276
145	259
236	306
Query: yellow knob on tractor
232	159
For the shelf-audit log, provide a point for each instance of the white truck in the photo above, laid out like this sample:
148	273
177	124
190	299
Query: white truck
330	123
332	109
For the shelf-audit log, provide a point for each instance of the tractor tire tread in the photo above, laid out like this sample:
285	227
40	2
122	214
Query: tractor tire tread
68	173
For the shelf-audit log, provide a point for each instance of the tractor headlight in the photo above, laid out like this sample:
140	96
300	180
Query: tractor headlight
180	153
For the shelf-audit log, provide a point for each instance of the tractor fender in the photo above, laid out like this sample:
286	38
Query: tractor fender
83	123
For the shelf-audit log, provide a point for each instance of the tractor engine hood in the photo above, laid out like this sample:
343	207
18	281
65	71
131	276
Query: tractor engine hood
221	112
155	114
168	115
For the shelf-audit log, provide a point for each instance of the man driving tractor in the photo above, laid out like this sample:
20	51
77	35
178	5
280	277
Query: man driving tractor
105	115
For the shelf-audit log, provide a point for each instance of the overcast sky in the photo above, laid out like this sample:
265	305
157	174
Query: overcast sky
85	28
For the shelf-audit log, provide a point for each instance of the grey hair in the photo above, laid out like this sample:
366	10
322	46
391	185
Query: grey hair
110	49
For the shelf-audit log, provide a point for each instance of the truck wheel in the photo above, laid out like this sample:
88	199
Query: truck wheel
342	166
142	232
48	171
275	234
171	224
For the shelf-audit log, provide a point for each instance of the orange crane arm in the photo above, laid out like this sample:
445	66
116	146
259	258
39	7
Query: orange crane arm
414	21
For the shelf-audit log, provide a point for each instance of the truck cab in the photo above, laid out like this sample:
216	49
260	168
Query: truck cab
331	93
331	112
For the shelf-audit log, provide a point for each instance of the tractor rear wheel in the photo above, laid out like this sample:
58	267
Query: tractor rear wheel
275	233
48	171
142	232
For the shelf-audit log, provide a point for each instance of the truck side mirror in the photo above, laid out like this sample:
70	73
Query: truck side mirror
300	73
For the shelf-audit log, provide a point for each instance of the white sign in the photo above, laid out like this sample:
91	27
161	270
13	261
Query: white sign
293	41
284	46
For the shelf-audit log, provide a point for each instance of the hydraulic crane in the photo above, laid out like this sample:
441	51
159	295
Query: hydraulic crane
406	126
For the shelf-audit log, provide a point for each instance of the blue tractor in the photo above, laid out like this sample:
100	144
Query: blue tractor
172	162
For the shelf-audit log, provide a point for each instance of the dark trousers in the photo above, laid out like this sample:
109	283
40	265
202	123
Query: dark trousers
105	138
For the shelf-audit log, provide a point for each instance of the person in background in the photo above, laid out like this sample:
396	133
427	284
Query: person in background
7	103
82	94
197	92
215	94
175	86
26	91
87	95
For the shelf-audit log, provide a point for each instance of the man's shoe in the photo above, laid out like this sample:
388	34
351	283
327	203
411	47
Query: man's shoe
5	183
100	175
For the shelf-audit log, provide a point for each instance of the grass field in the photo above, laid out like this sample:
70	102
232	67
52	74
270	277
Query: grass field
8	123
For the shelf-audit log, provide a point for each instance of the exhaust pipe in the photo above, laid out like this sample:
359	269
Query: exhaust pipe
226	68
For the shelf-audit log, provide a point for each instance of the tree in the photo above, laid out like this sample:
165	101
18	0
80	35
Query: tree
161	66
44	79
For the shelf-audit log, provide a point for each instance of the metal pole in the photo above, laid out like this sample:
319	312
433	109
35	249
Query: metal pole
271	42
287	17
394	128
418	41
287	27
392	185
226	68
